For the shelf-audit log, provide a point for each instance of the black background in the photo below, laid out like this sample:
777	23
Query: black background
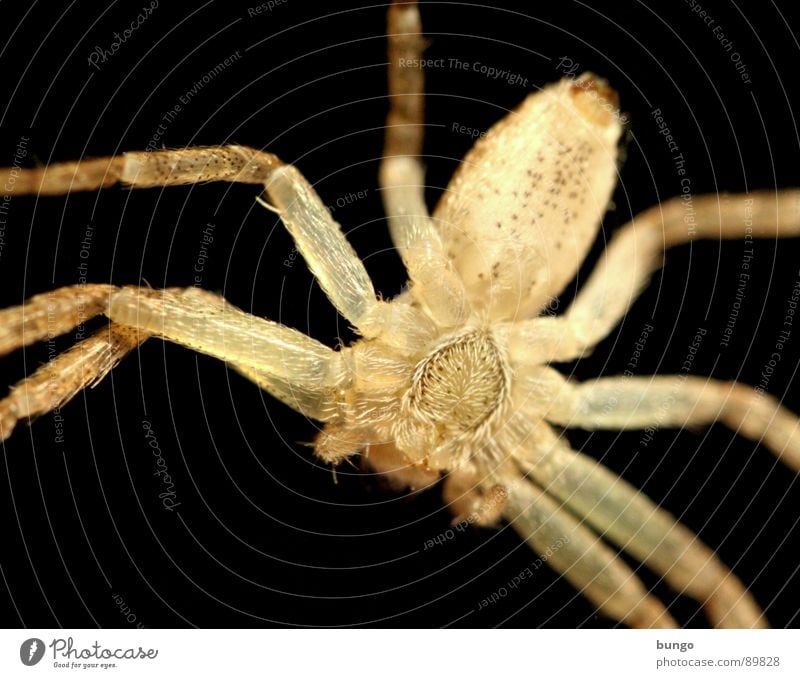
263	535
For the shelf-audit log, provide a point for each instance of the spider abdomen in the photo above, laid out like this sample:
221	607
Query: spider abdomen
525	205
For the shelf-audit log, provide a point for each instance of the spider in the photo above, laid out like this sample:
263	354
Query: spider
453	378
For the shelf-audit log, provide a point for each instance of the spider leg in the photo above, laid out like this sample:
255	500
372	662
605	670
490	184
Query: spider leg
312	402
637	250
295	368
626	517
677	401
319	238
436	284
50	314
63	377
329	255
574	550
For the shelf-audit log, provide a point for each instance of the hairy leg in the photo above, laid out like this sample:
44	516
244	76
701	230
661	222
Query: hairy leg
312	402
635	251
146	169
319	238
626	517
436	285
216	328
473	502
268	352
50	314
59	380
572	549
676	401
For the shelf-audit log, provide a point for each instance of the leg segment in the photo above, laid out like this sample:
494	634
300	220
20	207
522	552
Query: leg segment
637	250
320	240
641	402
576	552
385	460
207	324
313	403
146	169
629	519
59	380
50	314
436	284
310	402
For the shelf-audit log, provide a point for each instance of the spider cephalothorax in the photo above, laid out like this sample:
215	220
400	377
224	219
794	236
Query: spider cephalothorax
454	376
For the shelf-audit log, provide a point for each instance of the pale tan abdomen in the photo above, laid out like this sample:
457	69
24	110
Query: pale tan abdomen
520	214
